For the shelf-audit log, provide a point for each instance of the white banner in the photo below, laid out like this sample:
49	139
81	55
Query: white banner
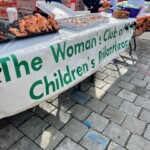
30	76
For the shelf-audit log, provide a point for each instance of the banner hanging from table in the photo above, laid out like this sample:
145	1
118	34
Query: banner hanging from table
30	76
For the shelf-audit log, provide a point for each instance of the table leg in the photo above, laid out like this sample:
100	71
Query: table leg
134	39
79	87
130	48
34	109
92	78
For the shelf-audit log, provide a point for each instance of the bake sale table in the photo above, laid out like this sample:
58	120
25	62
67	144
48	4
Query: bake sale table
35	69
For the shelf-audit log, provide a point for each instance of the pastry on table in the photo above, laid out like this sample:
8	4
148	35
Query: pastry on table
17	32
33	24
53	23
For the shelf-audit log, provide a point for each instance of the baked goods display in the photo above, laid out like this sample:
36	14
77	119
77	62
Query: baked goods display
82	22
33	25
76	21
142	24
92	17
97	18
27	26
73	23
38	24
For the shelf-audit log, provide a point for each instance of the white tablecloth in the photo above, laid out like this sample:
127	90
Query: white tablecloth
35	69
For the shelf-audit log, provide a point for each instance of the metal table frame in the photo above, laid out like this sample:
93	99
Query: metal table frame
135	43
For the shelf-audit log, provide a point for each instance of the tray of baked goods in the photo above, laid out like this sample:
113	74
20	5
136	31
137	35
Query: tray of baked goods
33	25
82	22
96	18
27	26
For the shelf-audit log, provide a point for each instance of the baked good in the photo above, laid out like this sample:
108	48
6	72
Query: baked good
121	14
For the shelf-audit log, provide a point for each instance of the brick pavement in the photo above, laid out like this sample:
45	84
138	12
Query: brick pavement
113	113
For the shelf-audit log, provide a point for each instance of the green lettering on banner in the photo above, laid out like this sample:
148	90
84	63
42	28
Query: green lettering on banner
67	76
110	34
93	43
106	38
79	71
85	68
115	33
100	56
105	52
79	47
119	46
59	52
5	69
70	51
18	65
56	81
73	74
110	50
48	85
123	45
32	94
59	81
93	63
36	63
127	43
87	45
114	47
